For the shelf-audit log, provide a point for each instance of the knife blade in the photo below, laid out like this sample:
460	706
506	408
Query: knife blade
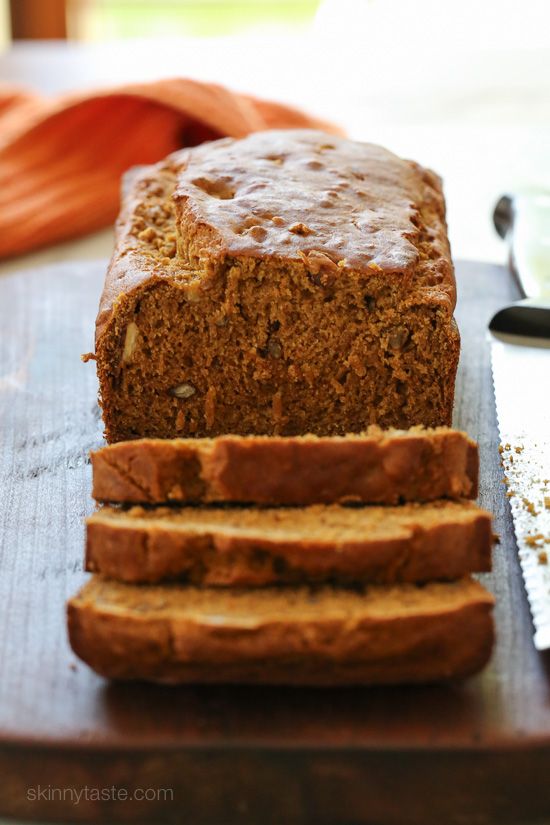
520	343
523	220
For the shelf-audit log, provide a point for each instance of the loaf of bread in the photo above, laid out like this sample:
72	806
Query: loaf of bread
309	636
253	547
379	467
285	283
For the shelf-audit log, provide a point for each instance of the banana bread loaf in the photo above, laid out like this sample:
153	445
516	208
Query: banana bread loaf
285	283
378	467
282	635
253	547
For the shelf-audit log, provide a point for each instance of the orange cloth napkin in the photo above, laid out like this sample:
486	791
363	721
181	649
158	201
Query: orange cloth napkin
61	159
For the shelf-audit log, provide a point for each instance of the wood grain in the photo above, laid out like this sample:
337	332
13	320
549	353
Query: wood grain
478	753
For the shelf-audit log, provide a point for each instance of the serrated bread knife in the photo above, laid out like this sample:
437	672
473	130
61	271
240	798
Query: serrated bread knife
520	344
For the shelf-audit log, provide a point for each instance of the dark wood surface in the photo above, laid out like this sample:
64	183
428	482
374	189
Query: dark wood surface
478	753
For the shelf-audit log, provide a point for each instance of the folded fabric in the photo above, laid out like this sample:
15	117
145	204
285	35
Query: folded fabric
61	159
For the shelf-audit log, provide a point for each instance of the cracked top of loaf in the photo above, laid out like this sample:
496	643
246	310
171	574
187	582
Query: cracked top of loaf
331	205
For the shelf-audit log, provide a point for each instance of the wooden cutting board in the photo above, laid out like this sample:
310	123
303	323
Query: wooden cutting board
478	753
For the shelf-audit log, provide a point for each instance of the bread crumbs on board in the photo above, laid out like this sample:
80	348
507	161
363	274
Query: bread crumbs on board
520	474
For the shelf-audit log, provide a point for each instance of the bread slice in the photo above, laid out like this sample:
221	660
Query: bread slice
309	636
379	467
248	546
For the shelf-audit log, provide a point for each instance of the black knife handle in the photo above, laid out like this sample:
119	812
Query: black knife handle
524	318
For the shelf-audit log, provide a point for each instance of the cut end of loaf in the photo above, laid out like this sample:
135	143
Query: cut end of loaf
220	364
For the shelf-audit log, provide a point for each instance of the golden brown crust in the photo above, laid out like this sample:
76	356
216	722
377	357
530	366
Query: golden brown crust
379	467
301	195
250	547
322	636
223	314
